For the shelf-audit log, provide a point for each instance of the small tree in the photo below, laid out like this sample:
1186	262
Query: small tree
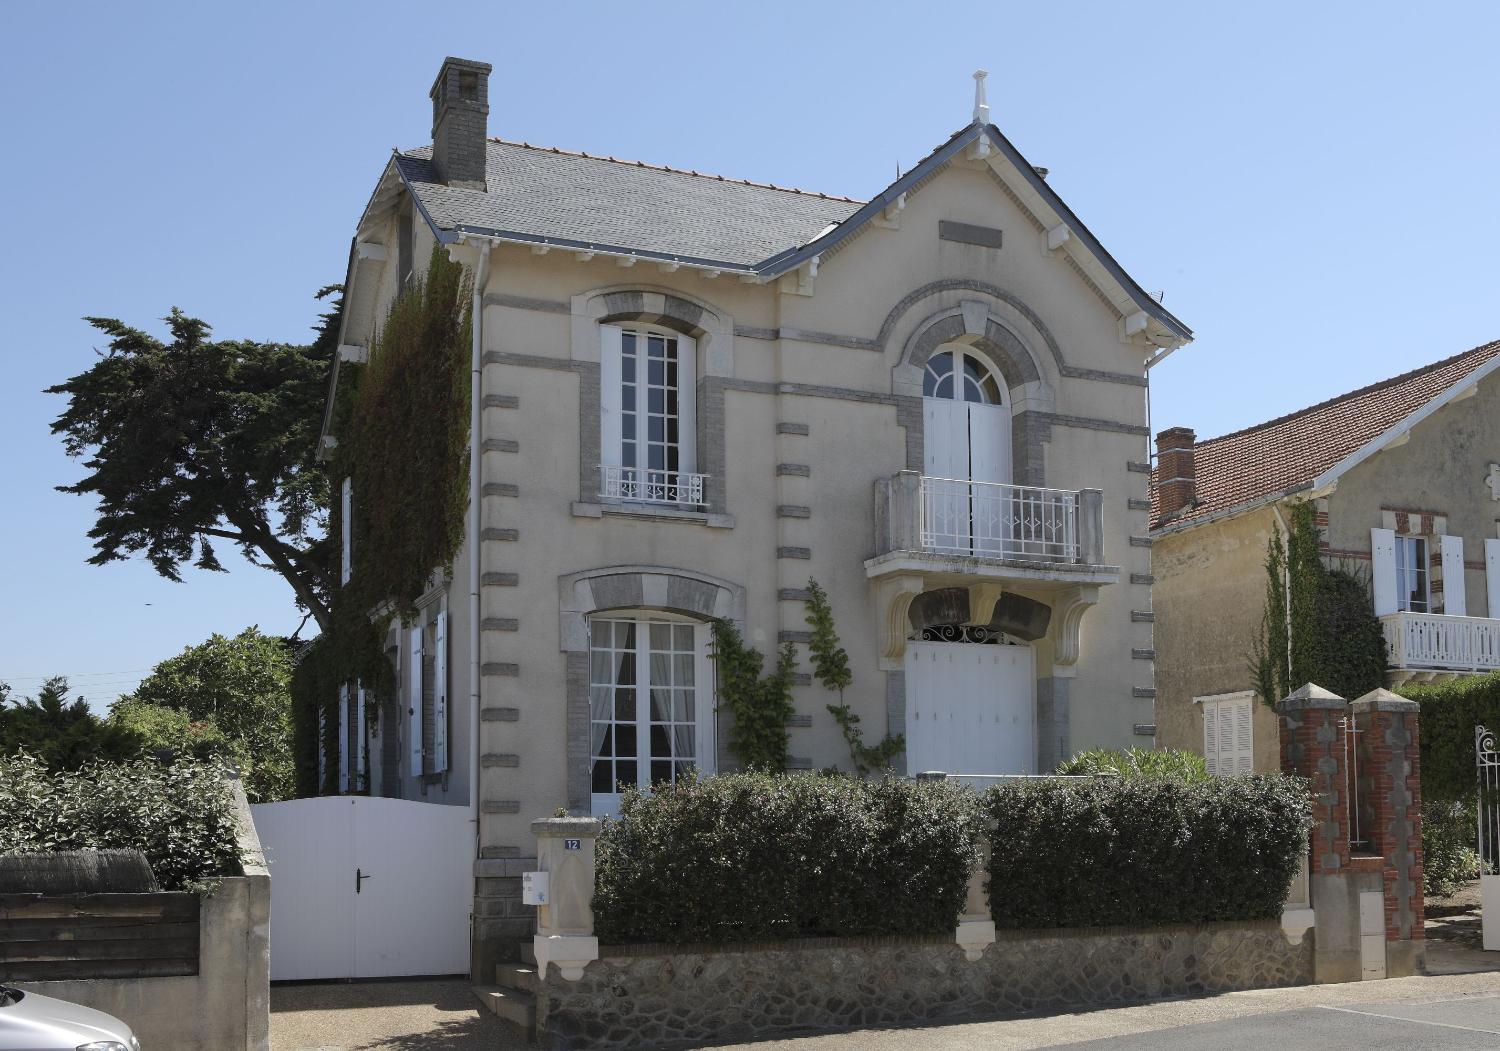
64	734
760	706
831	668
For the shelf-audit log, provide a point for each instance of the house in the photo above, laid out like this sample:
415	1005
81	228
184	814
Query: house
699	392
1407	492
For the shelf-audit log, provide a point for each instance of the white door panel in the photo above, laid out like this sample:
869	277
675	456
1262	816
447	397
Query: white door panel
970	708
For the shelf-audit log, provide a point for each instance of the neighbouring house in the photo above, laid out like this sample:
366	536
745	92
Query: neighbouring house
697	393
1406	485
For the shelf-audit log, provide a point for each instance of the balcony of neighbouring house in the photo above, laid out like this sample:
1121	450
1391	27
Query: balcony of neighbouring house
1428	646
959	530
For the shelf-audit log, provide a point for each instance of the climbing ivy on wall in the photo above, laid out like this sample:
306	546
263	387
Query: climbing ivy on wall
759	705
1318	624
402	422
831	668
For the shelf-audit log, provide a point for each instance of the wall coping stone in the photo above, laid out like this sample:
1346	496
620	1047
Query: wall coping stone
560	827
1383	701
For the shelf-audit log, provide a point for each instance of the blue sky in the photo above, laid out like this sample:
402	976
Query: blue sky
1313	185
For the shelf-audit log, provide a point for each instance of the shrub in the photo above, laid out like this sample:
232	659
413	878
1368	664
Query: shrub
1137	762
1449	713
1144	851
1448	854
746	857
181	817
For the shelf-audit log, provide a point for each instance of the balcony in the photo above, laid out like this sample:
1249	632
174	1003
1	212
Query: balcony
641	485
1427	646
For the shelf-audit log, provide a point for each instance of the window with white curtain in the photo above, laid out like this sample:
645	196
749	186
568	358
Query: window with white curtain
651	698
648	416
1413	586
1228	733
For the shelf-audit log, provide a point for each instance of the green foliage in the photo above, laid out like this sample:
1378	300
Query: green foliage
1137	762
195	440
1448	854
234	691
1141	851
403	427
180	816
1318	624
759	706
831	668
63	734
1449	713
747	857
170	732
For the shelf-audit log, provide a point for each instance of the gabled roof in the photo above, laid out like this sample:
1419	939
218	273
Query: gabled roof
1310	448
541	195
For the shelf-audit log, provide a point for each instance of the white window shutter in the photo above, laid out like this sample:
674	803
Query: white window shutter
1244	750
1226	739
322	747
1383	569
609	395
687	403
1455	599
440	696
346	529
344	738
361	739
1492	576
1211	738
414	701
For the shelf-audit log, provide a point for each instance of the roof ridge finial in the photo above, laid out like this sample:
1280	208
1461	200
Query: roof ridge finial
981	107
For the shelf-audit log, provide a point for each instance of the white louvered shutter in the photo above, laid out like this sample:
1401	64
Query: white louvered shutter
440	696
414	701
346	529
1226	738
609	395
1455	597
344	738
361	739
1244	750
1211	738
322	747
1492	576
1383	569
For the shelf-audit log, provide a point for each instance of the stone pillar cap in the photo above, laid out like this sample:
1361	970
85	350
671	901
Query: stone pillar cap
1379	700
1311	696
563	827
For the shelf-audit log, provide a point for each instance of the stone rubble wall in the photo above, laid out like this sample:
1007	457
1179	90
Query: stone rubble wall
685	995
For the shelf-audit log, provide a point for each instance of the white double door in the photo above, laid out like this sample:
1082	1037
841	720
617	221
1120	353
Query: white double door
966	442
970	708
366	887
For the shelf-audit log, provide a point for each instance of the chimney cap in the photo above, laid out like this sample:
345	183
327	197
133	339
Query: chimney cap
462	64
1177	435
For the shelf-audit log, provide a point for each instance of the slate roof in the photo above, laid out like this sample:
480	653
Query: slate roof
1289	452
610	204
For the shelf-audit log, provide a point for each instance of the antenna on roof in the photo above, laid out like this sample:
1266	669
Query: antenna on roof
981	107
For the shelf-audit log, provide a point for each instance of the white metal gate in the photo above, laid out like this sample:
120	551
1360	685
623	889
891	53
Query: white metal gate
366	887
1487	762
970	708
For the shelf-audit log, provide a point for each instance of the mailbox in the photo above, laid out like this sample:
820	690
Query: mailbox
534	888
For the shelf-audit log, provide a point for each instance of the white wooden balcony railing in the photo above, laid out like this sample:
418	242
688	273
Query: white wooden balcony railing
646	486
1000	521
1434	642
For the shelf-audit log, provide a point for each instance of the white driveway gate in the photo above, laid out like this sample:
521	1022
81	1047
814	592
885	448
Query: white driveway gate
366	887
1487	760
970	707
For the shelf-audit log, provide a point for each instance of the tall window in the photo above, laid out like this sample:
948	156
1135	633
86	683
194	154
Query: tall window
1413	593
648	416
651	703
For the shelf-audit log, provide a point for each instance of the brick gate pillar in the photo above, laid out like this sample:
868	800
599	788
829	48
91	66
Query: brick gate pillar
1390	806
1312	746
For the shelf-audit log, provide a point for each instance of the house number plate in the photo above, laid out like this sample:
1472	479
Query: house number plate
572	844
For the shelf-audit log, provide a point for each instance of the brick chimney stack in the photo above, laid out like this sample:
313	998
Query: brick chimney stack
460	116
1176	480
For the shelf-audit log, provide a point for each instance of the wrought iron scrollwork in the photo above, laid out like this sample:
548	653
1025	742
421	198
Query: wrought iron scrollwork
977	634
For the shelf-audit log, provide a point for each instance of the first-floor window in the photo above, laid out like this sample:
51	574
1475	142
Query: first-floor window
1228	734
1413	594
651	703
648	415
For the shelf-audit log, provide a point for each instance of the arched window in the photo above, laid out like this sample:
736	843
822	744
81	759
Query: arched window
961	376
648	415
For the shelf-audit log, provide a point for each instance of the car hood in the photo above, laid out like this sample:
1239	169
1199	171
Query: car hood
43	1021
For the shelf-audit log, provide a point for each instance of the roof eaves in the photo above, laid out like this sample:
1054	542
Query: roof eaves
1402	426
1182	525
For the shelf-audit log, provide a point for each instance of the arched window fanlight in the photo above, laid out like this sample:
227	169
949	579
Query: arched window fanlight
960	376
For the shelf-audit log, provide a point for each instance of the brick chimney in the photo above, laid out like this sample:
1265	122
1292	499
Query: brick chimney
460	113
1176	480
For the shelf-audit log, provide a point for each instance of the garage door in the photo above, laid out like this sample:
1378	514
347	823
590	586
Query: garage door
970	708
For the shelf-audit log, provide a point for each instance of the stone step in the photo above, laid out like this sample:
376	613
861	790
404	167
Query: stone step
512	1005
528	953
518	976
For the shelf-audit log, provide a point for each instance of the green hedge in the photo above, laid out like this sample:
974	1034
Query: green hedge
745	857
1144	852
181	817
1450	711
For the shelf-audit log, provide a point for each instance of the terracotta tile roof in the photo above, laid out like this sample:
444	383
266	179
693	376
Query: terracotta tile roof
1292	450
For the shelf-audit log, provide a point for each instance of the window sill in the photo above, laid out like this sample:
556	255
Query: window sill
650	513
